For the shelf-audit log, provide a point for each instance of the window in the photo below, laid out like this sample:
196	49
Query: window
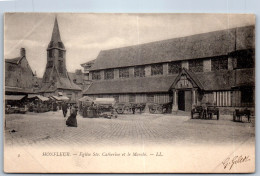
109	74
61	53
139	71
157	69
96	75
50	53
124	73
196	65
174	67
50	64
60	66
245	59
220	63
60	44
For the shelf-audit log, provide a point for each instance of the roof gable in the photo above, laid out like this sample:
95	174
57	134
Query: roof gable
190	77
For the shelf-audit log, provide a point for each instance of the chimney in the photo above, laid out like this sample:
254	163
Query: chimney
22	52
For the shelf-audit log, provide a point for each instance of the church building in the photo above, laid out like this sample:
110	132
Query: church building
56	80
216	68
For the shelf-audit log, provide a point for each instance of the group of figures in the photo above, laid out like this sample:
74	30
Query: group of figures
72	119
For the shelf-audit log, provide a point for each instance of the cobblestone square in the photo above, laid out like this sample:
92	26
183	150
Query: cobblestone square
49	128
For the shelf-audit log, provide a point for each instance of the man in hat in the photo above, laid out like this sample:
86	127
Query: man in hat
64	107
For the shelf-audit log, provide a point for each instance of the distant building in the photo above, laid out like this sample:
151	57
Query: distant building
56	80
86	68
19	77
216	67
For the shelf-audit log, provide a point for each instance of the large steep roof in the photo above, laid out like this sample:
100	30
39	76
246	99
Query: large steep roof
210	44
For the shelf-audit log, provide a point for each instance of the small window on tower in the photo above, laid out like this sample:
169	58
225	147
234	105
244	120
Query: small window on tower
50	53
60	66
60	53
60	45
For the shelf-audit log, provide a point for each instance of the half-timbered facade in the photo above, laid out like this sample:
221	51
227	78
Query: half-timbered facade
216	68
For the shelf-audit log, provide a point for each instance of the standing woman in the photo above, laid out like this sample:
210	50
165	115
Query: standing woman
72	119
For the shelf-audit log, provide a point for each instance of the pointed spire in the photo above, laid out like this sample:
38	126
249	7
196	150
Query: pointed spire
56	32
55	38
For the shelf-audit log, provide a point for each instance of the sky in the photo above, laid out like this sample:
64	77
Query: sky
85	35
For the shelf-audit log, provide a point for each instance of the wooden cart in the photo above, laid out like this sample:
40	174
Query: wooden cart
160	108
206	112
129	107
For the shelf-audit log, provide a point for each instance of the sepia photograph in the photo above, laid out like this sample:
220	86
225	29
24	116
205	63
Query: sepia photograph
129	93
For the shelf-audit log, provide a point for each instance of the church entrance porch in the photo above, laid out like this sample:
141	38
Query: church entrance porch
184	100
185	88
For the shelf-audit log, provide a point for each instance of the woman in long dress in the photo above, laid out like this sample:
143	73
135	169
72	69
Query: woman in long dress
72	119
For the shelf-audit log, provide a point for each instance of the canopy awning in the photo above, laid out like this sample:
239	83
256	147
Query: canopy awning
86	98
42	98
60	98
14	97
105	101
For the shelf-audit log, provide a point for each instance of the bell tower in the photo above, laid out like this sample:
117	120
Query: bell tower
56	57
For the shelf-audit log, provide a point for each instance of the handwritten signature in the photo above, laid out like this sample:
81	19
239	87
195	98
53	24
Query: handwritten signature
230	162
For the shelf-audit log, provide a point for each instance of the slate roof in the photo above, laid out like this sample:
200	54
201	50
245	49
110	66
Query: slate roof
62	84
208	81
210	44
88	63
14	97
136	85
75	76
218	80
14	60
18	89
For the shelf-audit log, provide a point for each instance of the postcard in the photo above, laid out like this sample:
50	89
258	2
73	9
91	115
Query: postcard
129	93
